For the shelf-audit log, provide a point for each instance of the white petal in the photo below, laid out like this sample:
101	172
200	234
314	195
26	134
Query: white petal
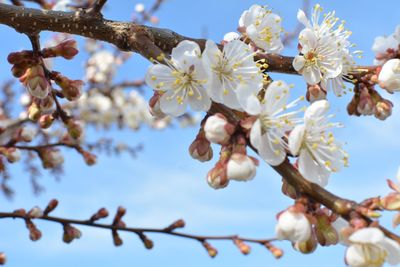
317	110
302	18
276	96
156	74
311	171
185	49
296	139
200	102
393	249
355	256
367	235
298	63
171	106
249	102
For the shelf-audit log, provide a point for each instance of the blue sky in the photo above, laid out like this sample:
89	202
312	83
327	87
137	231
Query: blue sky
163	183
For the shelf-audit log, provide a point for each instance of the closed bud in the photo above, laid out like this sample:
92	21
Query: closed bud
18	70
66	49
293	226
71	233
383	109
212	252
51	158
243	247
154	104
100	214
389	76
276	252
46	121
35	81
35	212
34	112
201	149
241	167
51	206
71	89
90	159
3	258
116	239
20	57
217	177
34	233
12	154
366	106
315	92
306	247
74	129
175	225
217	129
325	233
27	134
391	202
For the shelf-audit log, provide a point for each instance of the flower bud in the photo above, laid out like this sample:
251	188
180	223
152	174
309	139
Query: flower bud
51	206
89	158
366	106
210	249
243	247
35	81
315	92
20	57
34	112
154	104
27	134
217	129
46	121
66	49
71	233
71	89
3	258
383	109
74	129
35	212
391	202
217	176
34	232
12	154
306	247
51	158
201	149
389	77
293	226
324	231
241	167
100	214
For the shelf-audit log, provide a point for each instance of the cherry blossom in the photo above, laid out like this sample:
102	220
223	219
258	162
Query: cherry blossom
272	123
182	80
234	78
217	129
389	77
319	152
369	247
263	28
384	45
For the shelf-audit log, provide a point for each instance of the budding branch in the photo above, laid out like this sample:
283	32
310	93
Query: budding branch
150	42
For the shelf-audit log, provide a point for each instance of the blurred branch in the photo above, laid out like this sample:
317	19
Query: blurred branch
290	36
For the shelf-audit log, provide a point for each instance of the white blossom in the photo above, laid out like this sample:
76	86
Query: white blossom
369	247
263	28
389	77
319	152
182	80
325	56
62	5
139	8
102	65
28	133
383	43
230	36
293	226
272	123
234	78
241	167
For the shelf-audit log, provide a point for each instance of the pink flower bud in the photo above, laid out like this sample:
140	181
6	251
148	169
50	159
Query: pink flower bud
314	93
51	158
218	130
3	258
241	167
35	81
20	57
46	121
72	89
201	149
66	49
217	176
12	154
71	233
89	158
383	109
366	105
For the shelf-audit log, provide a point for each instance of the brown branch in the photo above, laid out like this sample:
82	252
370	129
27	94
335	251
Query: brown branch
119	225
